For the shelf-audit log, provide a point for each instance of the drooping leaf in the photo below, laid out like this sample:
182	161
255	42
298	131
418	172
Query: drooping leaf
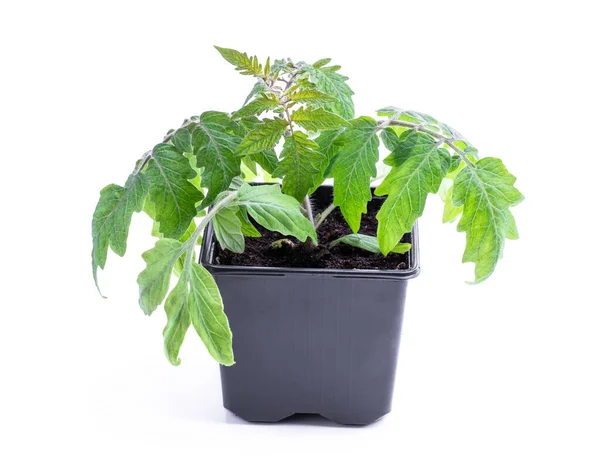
353	168
248	229
154	280
171	192
178	320
228	229
214	147
330	82
257	106
196	300
262	138
485	191
316	119
112	217
205	307
246	65
418	169
369	243
301	163
275	211
451	212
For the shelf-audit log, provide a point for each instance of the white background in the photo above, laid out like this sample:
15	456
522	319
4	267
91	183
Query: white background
507	370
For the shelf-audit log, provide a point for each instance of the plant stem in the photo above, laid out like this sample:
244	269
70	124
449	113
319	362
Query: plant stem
324	214
438	136
191	242
307	209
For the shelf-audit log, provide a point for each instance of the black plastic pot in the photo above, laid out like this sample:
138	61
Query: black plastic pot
316	341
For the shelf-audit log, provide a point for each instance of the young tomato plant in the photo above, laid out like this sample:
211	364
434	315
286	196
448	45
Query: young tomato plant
195	176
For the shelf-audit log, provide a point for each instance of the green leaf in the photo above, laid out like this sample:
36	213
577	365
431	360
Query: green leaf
368	243
262	138
196	300
154	280
173	196
486	191
316	119
329	142
228	229
418	169
321	63
451	212
246	65
182	140
275	211
513	232
266	159
178	321
112	217
248	229
308	96
353	168
205	307
214	148
330	82
258	106
301	163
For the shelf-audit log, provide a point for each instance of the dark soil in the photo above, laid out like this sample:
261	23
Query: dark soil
296	255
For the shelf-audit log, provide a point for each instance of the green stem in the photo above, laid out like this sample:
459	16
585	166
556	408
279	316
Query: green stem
446	140
188	246
324	214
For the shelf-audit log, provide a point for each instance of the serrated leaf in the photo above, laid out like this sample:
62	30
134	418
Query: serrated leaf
182	140
205	307
178	321
353	168
314	97
112	217
214	148
301	163
246	65
196	300
262	138
418	169
257	106
275	211
228	229
368	243
330	82
316	119
154	280
171	192
486	191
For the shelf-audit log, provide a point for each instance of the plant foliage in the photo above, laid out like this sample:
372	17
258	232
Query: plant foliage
297	124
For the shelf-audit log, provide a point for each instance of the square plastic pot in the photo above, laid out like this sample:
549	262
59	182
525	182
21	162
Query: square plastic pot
316	341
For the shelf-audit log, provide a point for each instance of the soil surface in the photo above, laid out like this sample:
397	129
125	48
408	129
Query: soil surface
295	255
